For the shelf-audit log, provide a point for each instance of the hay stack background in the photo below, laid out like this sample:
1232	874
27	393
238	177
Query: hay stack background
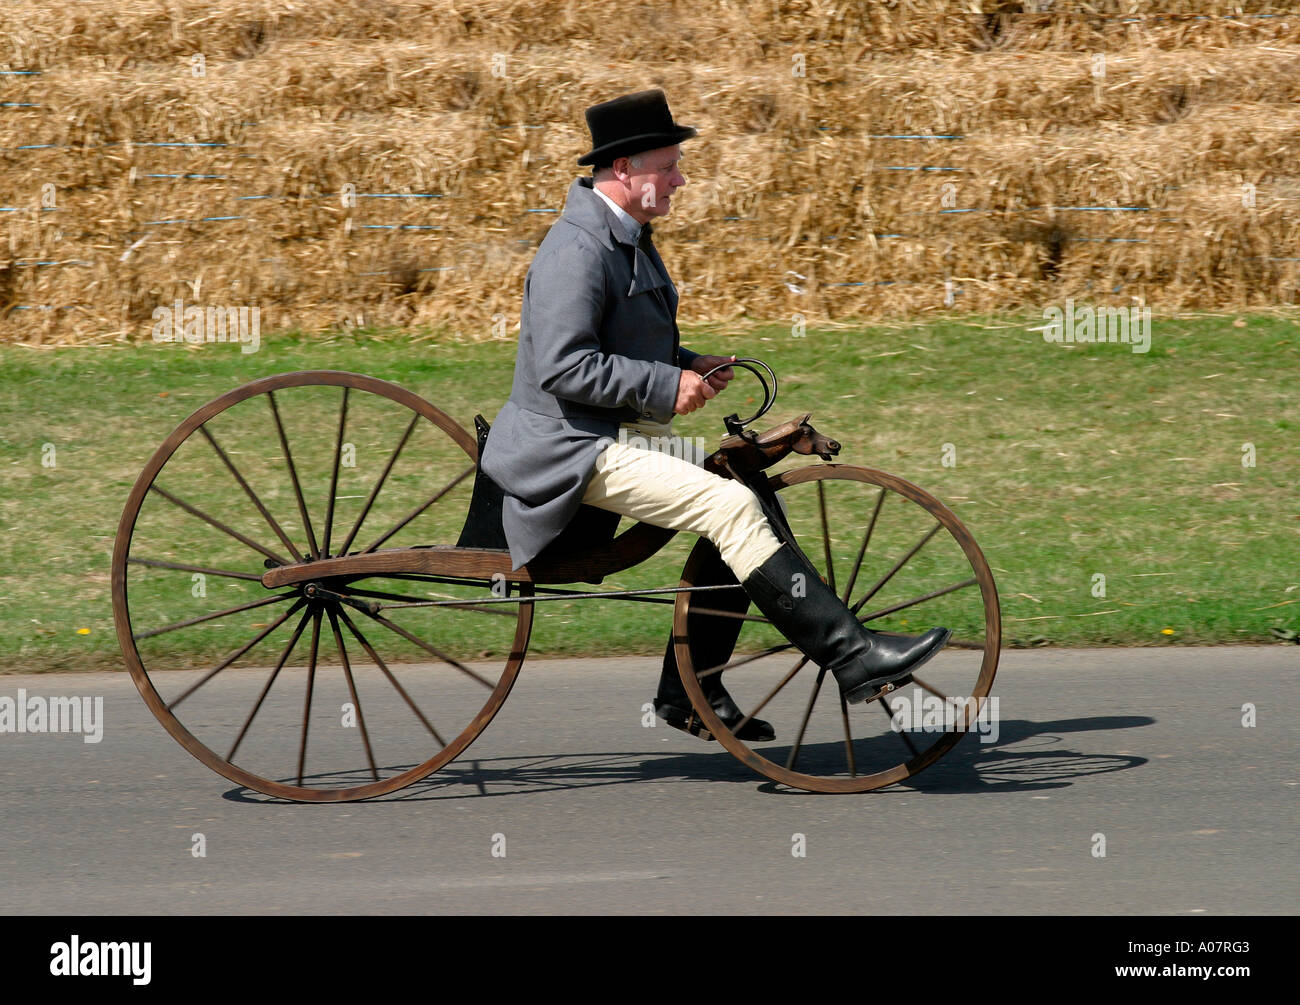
862	160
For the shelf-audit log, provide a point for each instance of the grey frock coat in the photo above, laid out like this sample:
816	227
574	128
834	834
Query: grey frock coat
598	345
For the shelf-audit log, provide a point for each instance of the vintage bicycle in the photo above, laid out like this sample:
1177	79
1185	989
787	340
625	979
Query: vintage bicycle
325	512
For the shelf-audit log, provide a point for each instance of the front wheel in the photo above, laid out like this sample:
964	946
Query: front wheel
903	563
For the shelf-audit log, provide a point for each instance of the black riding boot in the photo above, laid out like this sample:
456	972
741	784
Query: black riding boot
810	615
712	640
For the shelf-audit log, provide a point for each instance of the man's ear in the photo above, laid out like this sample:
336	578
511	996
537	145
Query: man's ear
622	168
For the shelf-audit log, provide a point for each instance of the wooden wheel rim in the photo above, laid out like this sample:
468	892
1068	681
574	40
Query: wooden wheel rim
988	664
121	607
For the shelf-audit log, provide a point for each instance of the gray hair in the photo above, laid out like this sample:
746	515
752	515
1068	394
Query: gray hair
637	161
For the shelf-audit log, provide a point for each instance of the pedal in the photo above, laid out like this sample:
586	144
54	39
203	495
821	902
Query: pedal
692	724
695	726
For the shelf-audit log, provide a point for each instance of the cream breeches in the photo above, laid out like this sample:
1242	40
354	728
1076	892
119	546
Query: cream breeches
652	476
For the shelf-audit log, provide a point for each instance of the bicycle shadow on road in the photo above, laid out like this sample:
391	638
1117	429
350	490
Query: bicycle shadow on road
1013	764
1010	764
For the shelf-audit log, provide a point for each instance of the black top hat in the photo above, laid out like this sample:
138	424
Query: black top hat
629	125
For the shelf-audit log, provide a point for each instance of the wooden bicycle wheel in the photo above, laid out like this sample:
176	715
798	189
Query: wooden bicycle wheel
903	563
314	698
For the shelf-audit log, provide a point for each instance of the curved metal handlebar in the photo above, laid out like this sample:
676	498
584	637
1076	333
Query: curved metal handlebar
733	423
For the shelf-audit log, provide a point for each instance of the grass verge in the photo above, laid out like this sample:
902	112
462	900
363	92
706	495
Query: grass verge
1120	498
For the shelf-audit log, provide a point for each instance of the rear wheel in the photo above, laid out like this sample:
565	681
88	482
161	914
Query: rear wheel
309	701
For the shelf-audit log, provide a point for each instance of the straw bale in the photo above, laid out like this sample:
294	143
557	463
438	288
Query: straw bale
457	125
122	32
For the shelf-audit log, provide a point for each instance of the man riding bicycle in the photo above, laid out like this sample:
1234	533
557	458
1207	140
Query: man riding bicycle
599	375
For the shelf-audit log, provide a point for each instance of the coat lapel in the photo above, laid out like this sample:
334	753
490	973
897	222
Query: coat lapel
647	273
648	250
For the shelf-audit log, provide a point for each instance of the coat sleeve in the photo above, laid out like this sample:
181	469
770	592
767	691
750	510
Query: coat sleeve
566	298
686	358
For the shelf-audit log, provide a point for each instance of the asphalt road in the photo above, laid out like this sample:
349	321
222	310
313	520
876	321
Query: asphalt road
598	814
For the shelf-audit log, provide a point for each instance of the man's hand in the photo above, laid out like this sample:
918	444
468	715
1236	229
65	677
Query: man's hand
703	364
692	392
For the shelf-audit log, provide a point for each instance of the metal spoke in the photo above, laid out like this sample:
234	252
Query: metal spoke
637	596
365	510
934	691
918	600
334	479
293	474
230	757
848	737
421	508
857	564
630	598
649	595
182	567
803	726
311	683
343	616
561	595
248	490
209	617
752	657
278	559
898	565
964	702
238	653
433	650
826	535
888	709
770	695
643	596
352	690
380	595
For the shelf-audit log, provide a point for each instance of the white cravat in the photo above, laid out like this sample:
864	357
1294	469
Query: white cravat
629	224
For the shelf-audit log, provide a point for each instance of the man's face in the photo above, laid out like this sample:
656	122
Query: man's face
652	185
